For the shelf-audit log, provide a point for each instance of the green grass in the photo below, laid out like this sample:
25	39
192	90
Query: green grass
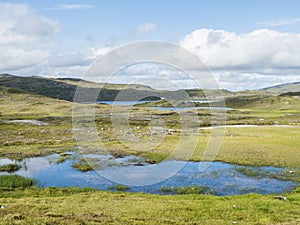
186	190
82	165
256	146
251	171
274	146
15	181
63	158
82	206
118	187
9	168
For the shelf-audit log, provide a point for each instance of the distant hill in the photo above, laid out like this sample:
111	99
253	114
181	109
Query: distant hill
284	88
65	89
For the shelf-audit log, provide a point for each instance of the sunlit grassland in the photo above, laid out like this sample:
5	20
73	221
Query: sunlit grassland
21	140
20	104
52	206
257	146
276	146
273	145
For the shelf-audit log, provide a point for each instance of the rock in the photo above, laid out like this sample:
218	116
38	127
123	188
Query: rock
65	154
117	154
281	198
18	217
53	215
150	161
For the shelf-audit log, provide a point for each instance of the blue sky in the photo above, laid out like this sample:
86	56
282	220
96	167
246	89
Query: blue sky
61	38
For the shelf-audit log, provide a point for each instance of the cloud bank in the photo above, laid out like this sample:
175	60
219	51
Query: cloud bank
260	50
24	36
249	60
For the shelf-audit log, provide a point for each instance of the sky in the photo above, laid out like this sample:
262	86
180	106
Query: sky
245	44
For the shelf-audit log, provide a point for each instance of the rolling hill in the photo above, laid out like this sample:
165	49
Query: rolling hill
283	88
65	89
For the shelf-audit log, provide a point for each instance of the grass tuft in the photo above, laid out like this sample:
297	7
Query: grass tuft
63	158
118	187
9	168
185	190
82	165
15	181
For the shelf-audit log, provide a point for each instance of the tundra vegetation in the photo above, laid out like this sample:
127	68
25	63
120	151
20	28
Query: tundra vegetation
273	140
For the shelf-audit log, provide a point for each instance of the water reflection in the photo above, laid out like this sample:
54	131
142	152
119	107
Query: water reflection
223	178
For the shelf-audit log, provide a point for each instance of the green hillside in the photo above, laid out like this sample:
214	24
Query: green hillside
279	89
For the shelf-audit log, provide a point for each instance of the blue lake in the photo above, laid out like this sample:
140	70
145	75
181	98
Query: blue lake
130	103
222	178
122	103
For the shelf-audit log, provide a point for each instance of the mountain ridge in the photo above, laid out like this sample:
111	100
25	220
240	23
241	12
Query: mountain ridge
65	89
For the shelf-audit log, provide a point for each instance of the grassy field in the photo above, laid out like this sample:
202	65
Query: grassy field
264	145
257	146
52	206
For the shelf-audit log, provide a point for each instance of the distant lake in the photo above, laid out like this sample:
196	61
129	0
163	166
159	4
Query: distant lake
123	103
223	178
130	103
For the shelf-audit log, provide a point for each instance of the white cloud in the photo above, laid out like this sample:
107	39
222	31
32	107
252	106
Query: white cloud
258	50
73	64
35	25
74	6
25	36
146	28
252	60
69	60
242	80
279	22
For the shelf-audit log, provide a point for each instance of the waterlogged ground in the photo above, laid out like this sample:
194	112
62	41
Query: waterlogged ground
219	178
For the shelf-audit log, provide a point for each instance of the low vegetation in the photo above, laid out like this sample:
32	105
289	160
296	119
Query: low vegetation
264	145
186	190
63	158
9	168
118	187
82	165
15	181
86	206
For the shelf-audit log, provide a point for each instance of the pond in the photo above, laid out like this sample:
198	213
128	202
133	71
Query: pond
122	103
220	178
131	103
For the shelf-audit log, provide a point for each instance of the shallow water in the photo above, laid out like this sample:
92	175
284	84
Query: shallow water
122	103
33	122
130	103
222	178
